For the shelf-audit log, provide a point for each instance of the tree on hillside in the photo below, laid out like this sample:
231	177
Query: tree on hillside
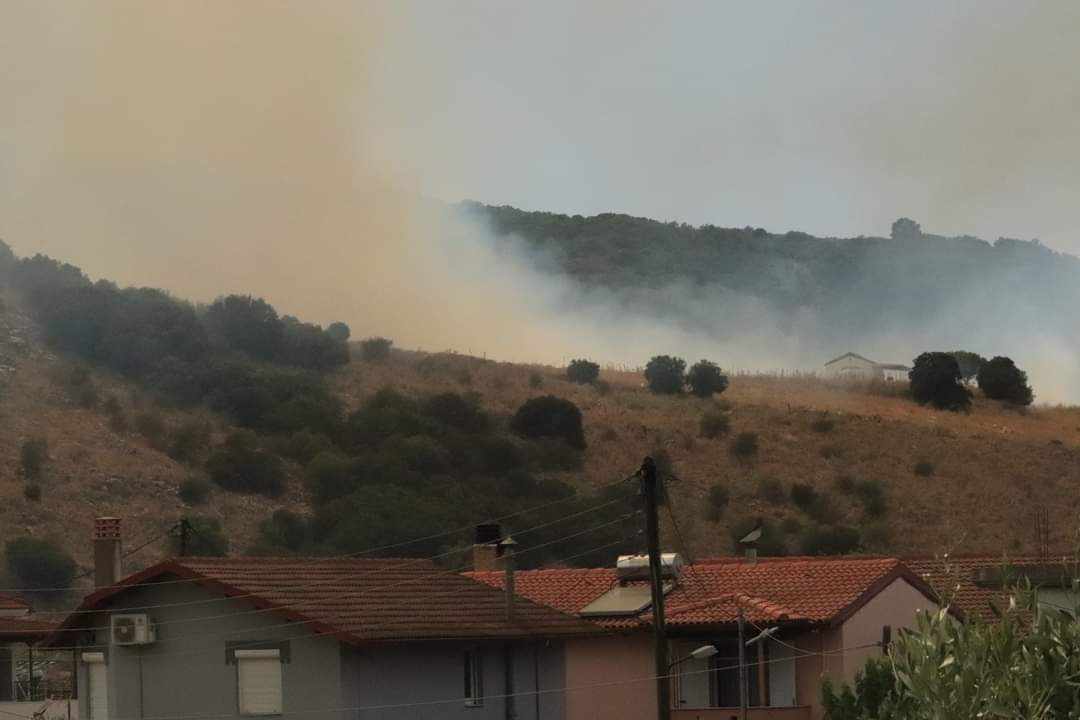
936	380
582	371
339	331
375	349
1000	379
39	563
666	375
549	416
250	325
969	363
906	229
706	379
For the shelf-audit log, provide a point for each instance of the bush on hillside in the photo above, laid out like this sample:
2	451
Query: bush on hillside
924	468
456	411
250	325
1000	379
240	465
823	424
804	496
714	424
969	363
39	564
189	441
830	451
536	380
745	445
705	379
936	380
718	499
871	494
771	490
205	538
549	416
33	455
830	540
582	371
151	426
666	375
375	349
303	445
194	491
285	530
32	492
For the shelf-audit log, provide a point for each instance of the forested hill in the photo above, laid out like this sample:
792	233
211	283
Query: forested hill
853	283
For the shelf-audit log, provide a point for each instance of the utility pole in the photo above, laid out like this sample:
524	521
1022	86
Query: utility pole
743	690
650	488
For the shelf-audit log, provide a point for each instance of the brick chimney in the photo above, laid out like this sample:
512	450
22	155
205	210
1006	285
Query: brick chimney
486	554
107	542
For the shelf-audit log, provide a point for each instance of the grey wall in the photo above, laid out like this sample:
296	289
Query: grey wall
185	672
427	672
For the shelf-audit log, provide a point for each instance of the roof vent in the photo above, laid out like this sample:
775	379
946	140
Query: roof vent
636	567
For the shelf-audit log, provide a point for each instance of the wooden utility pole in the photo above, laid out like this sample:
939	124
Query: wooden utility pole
650	489
744	690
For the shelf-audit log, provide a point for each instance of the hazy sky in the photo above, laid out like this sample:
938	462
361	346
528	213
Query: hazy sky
279	148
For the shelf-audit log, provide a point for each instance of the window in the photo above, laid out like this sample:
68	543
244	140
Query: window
258	678
97	685
474	679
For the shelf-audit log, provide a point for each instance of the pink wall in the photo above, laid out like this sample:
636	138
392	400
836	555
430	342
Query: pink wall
614	667
895	606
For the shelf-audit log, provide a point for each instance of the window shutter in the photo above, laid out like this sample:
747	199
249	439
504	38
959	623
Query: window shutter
259	681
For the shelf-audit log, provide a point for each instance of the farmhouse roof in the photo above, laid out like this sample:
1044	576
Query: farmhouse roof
356	600
793	590
851	355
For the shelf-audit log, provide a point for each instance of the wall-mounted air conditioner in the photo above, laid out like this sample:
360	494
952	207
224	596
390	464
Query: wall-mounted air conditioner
132	630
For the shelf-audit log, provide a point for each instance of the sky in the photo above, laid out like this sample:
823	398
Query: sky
298	150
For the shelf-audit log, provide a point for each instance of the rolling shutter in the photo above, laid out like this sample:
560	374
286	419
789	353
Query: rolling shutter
259	681
97	685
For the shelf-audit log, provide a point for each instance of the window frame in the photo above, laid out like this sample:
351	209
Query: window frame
473	662
241	654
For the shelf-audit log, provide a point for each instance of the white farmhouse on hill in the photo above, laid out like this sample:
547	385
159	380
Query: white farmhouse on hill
853	366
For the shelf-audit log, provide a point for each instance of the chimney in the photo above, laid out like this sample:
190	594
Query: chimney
485	550
107	540
506	552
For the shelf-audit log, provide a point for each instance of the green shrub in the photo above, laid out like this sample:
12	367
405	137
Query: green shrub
714	424
32	492
771	490
791	526
1000	379
829	452
549	417
205	538
582	371
303	445
499	455
875	688
460	412
745	445
39	564
375	349
936	380
553	455
666	375
285	530
706	379
151	426
871	494
823	425
194	491
924	468
830	540
189	441
718	500
33	455
603	387
241	466
536	380
339	331
804	496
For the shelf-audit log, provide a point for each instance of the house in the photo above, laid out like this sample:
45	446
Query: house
852	366
980	585
23	673
317	638
825	617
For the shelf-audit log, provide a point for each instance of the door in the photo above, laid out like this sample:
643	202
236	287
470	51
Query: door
97	686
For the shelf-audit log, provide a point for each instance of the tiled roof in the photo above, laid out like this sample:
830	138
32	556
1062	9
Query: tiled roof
25	628
360	600
954	578
11	602
792	590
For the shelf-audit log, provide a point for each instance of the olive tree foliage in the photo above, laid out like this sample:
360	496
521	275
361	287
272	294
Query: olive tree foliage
906	229
666	375
706	379
582	371
936	380
1000	379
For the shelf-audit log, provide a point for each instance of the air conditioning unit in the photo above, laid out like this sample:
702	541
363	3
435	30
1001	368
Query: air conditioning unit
132	630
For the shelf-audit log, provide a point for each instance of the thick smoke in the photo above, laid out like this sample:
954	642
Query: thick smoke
210	147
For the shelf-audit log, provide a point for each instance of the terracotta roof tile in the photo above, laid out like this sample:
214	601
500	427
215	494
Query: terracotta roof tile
794	590
25	628
12	602
362	600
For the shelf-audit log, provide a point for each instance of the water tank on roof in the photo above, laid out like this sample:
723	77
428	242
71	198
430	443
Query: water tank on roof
636	567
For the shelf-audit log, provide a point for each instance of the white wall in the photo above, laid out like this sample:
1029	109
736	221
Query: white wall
895	606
